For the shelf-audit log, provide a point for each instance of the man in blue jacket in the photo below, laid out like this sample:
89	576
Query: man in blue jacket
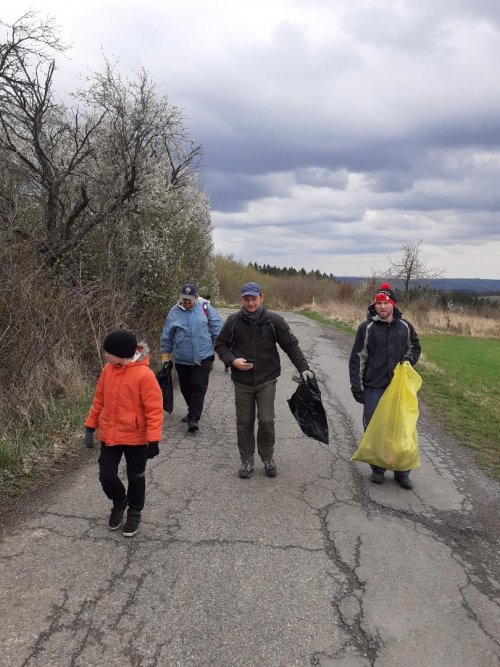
384	340
188	336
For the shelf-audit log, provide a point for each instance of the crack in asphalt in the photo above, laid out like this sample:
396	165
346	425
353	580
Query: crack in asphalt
473	616
53	624
82	617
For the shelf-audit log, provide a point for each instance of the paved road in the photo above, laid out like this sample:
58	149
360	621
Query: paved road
315	567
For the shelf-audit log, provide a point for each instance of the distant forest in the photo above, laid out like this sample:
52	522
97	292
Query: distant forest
472	286
479	286
284	271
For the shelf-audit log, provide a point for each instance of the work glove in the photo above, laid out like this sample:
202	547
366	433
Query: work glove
307	375
165	356
359	395
153	449
88	440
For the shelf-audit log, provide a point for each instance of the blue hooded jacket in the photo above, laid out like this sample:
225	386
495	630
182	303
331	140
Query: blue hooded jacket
190	334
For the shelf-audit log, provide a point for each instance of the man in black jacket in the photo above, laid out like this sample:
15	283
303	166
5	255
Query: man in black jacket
248	344
382	341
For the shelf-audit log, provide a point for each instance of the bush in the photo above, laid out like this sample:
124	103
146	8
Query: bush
51	327
283	291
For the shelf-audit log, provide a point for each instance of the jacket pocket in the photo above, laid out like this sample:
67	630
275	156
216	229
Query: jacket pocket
126	420
140	422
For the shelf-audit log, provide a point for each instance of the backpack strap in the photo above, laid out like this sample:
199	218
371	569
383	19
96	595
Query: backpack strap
231	332
272	326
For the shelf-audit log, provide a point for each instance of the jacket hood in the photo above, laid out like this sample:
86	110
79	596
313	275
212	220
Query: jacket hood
179	304
141	353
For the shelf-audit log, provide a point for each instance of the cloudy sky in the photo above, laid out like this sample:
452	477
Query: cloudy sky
333	130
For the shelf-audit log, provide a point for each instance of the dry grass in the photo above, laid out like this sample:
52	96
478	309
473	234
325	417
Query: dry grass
424	319
461	323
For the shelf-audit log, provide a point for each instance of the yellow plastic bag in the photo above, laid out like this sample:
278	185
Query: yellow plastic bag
390	440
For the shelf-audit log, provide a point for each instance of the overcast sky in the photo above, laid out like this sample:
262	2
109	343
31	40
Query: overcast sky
333	130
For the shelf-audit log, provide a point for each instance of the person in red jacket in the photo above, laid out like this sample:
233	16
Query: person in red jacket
127	410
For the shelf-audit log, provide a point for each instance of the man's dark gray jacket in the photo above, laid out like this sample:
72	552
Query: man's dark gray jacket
379	347
257	339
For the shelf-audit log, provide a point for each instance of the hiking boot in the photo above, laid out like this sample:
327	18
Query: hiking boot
185	419
116	516
132	523
404	482
377	477
270	468
246	469
193	426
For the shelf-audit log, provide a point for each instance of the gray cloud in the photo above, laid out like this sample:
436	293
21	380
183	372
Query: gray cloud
333	132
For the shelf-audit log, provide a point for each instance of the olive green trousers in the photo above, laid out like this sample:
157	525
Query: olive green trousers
252	401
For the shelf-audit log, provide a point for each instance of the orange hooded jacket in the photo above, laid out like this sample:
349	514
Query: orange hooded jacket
128	404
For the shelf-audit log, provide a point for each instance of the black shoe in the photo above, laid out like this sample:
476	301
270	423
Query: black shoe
404	482
270	468
116	516
246	469
377	477
185	419
193	426
132	523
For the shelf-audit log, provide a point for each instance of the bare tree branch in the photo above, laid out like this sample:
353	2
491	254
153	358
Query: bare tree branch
410	266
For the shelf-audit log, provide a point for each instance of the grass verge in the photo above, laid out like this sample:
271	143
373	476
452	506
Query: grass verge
28	452
338	324
461	387
461	383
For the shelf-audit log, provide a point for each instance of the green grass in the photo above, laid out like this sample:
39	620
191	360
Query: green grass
338	324
461	384
27	452
461	387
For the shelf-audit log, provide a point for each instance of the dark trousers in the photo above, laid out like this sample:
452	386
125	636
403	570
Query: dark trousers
193	382
372	396
249	400
136	458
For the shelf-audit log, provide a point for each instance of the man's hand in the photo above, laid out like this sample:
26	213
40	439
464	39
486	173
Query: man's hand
242	364
153	449
165	356
88	440
359	396
307	375
408	359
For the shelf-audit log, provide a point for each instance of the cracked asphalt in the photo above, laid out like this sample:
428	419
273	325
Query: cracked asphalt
315	567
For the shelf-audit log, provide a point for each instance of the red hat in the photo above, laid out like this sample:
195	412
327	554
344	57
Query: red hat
385	293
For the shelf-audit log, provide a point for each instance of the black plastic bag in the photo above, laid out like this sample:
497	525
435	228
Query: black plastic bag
164	377
308	410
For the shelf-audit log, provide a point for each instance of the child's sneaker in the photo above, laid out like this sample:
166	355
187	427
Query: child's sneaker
132	523
116	516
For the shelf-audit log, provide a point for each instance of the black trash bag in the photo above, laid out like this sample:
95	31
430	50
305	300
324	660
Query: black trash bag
164	377
308	410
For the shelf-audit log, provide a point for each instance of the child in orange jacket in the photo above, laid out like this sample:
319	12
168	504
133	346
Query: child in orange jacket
128	411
